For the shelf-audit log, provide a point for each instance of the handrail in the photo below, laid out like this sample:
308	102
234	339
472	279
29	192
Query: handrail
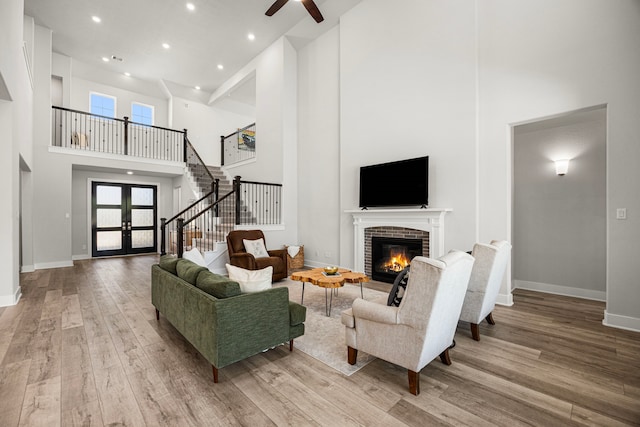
230	147
205	210
83	131
200	159
116	119
191	206
260	183
239	130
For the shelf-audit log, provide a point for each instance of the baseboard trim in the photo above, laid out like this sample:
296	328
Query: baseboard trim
561	290
621	322
80	257
505	299
57	264
8	300
27	269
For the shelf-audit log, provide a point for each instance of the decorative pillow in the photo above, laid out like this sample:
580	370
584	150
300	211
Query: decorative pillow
255	248
399	287
217	285
251	280
168	263
188	271
195	256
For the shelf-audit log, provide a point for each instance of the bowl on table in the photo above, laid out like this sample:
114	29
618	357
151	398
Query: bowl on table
331	270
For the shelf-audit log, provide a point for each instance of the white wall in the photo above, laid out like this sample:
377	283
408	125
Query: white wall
81	88
538	59
559	240
449	78
16	112
407	81
205	124
276	126
319	149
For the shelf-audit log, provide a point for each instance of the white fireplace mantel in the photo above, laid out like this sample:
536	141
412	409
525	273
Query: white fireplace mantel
430	220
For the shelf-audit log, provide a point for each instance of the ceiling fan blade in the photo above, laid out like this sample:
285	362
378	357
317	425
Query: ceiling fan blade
313	10
276	7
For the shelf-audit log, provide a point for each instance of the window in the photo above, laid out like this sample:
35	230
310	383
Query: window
103	105
141	113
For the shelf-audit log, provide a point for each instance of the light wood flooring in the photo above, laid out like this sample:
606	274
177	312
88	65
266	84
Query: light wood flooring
83	348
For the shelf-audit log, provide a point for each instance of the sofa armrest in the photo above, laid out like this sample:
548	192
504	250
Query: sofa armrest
363	309
279	253
297	313
243	260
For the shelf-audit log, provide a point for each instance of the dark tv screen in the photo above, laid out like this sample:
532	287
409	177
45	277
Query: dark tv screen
401	183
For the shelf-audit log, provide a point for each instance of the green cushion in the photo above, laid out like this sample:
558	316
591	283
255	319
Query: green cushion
297	313
217	285
188	271
168	263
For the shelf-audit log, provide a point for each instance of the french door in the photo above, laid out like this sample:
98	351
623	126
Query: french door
123	218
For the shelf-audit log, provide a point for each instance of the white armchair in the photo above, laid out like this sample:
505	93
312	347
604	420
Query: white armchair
484	284
422	327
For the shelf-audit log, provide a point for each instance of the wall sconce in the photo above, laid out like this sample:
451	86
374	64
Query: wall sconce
562	166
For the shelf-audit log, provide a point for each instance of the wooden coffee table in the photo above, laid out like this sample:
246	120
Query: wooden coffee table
316	276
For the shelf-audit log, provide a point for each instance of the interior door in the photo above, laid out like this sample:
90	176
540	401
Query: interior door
124	219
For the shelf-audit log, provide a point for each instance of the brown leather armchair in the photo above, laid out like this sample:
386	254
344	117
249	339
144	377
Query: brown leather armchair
239	257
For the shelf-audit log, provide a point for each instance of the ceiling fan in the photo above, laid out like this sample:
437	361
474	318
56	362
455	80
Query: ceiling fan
308	4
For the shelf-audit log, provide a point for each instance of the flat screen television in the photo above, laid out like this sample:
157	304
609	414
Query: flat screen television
401	183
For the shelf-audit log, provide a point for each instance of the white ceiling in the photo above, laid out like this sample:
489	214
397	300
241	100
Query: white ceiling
215	33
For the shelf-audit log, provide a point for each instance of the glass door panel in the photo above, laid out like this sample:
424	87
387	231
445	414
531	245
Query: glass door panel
123	219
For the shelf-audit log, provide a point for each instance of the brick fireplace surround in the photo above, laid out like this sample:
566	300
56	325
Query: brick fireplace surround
412	222
395	232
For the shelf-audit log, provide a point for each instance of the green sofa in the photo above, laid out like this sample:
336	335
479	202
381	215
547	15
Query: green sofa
222	323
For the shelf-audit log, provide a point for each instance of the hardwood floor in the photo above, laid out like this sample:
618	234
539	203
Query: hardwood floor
83	348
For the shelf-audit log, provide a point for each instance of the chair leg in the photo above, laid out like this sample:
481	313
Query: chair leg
444	356
414	382
291	345
215	374
352	355
489	319
157	314
475	331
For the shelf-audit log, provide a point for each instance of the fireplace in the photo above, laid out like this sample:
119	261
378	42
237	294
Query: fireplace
389	256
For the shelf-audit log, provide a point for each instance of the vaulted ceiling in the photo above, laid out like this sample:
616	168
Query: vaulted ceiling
131	34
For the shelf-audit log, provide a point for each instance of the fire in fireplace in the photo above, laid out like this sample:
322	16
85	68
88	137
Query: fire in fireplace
389	256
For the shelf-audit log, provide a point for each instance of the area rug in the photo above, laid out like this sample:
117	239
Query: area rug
323	338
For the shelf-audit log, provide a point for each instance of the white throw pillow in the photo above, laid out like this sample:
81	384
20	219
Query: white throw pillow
194	256
255	248
251	280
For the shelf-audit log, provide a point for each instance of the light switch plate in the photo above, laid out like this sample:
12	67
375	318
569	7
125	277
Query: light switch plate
621	213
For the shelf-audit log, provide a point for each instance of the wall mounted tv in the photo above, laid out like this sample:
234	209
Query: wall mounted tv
401	183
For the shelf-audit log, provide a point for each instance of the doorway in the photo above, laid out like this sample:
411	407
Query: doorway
123	218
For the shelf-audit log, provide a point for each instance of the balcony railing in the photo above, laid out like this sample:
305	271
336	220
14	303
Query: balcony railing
238	146
79	130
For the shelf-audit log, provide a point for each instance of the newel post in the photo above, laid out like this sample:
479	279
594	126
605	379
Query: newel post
221	150
126	135
236	190
184	146
216	193
180	239
163	226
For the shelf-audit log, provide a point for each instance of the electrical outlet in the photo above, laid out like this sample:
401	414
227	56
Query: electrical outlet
84	246
621	213
327	254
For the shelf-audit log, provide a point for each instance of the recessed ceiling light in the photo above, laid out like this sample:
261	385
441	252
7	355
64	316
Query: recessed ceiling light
251	36
105	59
129	172
166	45
191	6
128	74
197	87
96	19
220	67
